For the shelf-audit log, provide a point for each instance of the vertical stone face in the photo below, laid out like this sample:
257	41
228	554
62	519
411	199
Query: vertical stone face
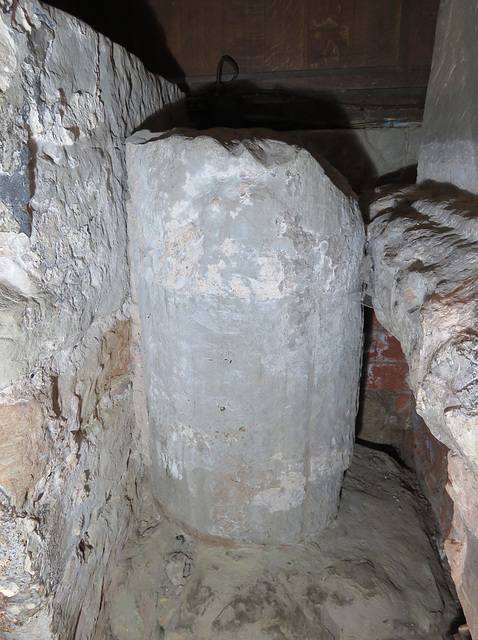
447	389
247	269
68	99
449	150
423	244
462	543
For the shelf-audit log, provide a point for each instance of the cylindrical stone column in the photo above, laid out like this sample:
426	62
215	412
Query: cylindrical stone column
247	269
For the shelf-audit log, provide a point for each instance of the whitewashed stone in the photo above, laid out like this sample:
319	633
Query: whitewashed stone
69	444
247	265
68	97
449	149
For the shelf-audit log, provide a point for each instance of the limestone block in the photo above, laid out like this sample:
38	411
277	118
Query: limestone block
68	98
247	266
423	244
449	150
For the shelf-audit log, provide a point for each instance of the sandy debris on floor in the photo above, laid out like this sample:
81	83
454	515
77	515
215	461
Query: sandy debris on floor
374	574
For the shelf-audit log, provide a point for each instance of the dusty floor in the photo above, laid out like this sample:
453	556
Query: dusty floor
373	574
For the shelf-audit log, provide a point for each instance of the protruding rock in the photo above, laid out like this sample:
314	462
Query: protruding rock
424	247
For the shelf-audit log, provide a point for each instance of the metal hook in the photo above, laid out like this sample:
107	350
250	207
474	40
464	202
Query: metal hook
220	64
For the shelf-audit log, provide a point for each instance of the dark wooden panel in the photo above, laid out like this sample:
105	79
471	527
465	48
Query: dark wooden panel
330	37
244	33
285	109
418	32
167	14
202	34
285	35
330	79
371	57
347	33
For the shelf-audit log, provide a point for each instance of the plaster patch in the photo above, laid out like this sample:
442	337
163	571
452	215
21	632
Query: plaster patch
229	247
289	495
271	277
239	289
180	258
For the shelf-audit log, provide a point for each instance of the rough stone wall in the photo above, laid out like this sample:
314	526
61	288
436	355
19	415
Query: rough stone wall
449	150
423	244
447	320
462	543
68	455
68	96
429	457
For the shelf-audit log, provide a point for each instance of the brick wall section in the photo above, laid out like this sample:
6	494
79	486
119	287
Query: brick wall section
388	417
386	396
387	369
429	458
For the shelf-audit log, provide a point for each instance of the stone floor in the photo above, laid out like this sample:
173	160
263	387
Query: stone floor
374	574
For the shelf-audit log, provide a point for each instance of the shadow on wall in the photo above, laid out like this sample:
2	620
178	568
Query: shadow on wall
318	123
241	104
133	25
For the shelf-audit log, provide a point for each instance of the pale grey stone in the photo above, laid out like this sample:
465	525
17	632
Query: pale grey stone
449	150
70	449
362	155
247	265
68	98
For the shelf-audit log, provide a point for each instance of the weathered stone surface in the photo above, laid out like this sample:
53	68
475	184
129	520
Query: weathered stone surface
424	245
248	281
23	450
462	543
362	155
68	97
68	437
449	319
76	512
449	150
373	574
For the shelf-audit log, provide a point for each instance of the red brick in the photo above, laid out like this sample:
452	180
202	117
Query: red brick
387	376
430	460
403	403
385	347
375	322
